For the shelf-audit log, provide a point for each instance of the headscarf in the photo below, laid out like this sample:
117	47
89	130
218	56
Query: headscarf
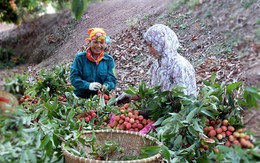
171	69
97	34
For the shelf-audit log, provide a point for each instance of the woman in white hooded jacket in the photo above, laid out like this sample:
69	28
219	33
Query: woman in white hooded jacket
170	69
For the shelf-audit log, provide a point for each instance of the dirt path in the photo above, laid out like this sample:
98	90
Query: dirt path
113	16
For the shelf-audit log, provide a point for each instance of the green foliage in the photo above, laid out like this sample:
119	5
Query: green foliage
179	21
53	83
258	21
8	12
180	127
247	3
258	32
225	48
78	7
157	102
16	84
16	11
175	5
235	154
132	21
36	132
19	138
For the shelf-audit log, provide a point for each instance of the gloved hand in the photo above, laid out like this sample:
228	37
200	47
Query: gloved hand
123	98
94	86
104	87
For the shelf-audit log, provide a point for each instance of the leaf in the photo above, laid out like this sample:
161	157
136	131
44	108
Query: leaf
92	139
38	139
30	129
102	101
78	8
192	131
111	101
151	149
45	141
166	153
131	90
32	156
47	105
71	114
24	157
207	113
223	148
55	104
178	141
213	78
159	121
253	90
142	89
196	126
192	114
233	86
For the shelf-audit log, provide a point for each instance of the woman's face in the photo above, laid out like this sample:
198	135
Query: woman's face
152	50
97	47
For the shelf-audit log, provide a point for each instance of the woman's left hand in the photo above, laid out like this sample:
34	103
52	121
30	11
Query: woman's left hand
104	88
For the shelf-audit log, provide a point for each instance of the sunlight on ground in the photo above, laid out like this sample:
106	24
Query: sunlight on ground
6	27
50	9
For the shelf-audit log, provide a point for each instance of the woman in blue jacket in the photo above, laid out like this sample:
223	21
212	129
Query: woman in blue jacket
93	69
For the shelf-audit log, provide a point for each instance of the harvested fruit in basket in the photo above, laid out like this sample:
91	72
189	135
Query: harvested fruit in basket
129	119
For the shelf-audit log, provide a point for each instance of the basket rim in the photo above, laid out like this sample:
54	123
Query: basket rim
83	159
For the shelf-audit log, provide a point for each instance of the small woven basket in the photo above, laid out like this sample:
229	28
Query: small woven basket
131	142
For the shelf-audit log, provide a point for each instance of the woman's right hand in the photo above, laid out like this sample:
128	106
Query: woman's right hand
123	98
126	98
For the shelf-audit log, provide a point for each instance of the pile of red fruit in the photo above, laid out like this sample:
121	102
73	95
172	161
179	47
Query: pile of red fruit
227	133
62	98
129	120
26	98
87	116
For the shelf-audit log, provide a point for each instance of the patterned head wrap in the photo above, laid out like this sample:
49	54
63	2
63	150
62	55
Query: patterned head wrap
97	34
163	40
171	69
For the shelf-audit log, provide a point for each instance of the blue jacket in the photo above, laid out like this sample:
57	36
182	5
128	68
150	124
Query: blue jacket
83	72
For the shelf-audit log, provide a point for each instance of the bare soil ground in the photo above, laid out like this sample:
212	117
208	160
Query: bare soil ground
215	36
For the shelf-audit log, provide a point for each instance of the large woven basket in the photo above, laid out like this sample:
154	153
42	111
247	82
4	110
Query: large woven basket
130	141
10	106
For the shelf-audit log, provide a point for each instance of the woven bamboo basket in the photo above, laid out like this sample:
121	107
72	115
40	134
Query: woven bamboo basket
10	106
130	141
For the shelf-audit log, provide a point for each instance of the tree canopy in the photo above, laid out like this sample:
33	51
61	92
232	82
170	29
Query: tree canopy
16	11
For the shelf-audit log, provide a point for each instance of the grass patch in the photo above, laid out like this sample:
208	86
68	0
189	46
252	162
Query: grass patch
223	49
177	4
258	27
178	21
132	21
258	21
258	32
247	3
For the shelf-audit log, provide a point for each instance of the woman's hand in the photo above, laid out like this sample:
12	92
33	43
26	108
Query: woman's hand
123	98
94	86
